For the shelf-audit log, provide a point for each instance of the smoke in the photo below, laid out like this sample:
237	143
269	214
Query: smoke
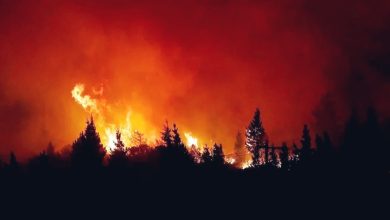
204	65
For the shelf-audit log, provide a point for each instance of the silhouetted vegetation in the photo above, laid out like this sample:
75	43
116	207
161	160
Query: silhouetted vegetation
176	168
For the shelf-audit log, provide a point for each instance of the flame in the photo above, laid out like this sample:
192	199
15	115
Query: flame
97	108
191	140
85	101
230	160
246	164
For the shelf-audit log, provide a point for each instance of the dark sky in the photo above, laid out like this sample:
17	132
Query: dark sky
205	65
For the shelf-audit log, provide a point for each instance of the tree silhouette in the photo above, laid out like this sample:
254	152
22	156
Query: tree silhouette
274	157
218	156
239	148
166	135
284	156
176	137
87	150
118	158
13	164
206	156
255	137
137	138
50	150
306	144
266	152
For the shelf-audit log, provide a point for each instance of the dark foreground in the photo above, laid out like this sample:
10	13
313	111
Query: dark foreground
196	192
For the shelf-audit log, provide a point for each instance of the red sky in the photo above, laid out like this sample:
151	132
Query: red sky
205	65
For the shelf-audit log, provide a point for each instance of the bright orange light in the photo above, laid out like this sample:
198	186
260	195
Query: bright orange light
246	164
191	140
106	128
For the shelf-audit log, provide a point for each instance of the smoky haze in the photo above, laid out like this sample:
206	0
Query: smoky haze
205	65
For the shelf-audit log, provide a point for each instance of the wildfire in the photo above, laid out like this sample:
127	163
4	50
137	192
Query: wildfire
191	140
111	118
85	101
97	108
230	160
246	164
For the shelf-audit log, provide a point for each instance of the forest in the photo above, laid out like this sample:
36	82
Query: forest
314	168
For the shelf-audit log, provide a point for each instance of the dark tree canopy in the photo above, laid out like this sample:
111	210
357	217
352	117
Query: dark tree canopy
87	150
206	156
118	157
306	144
166	135
218	156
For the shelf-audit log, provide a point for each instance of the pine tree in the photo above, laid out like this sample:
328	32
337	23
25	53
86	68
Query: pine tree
166	135
206	157
176	137
274	157
284	157
13	162
218	156
239	148
118	156
137	139
255	137
87	150
306	144
266	153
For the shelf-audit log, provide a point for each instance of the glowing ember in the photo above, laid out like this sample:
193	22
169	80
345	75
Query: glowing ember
191	140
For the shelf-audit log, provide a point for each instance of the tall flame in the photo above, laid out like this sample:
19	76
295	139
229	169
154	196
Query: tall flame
97	108
84	100
191	140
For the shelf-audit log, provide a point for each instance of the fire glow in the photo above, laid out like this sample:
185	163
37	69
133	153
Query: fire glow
98	108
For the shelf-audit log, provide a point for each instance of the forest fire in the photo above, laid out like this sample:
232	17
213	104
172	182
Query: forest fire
97	109
191	141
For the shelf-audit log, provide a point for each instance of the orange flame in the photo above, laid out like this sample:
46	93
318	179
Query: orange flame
97	108
191	141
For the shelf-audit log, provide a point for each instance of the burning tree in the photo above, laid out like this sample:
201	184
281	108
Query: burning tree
118	156
137	138
255	137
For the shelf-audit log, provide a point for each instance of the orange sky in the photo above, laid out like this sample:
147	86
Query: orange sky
205	65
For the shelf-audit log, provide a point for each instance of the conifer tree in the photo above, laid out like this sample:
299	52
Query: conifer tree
166	135
137	138
218	156
206	156
87	150
118	156
284	156
306	144
176	137
274	157
255	137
